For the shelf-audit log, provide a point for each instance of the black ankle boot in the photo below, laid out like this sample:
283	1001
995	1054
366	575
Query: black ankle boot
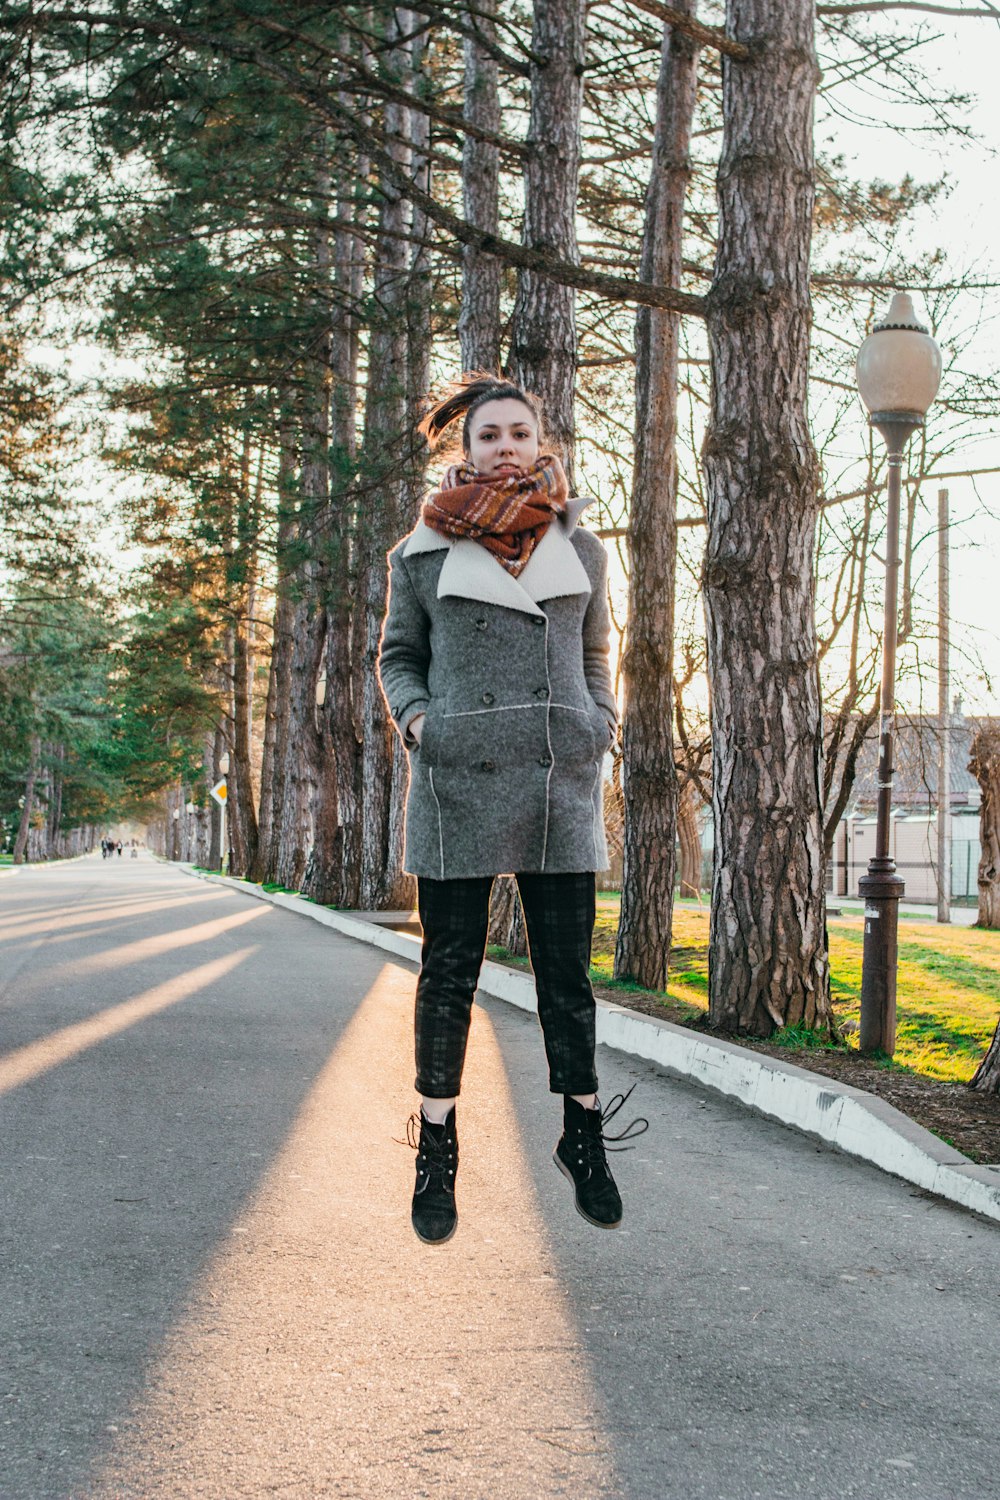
580	1156
433	1214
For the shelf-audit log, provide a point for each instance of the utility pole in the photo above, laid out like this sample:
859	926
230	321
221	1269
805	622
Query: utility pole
944	721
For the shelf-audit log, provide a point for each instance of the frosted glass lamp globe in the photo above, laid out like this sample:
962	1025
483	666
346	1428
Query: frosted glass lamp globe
899	364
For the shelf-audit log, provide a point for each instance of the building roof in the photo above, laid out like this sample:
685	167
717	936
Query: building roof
916	751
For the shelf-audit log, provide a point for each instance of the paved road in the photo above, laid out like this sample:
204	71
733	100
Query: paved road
209	1287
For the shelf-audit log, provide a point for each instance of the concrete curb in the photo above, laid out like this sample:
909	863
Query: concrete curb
849	1119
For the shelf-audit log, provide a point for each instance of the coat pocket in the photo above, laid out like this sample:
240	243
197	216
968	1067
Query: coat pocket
603	735
430	740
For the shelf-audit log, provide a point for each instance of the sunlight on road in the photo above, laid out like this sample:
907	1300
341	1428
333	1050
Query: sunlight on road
327	1352
48	1052
112	909
151	947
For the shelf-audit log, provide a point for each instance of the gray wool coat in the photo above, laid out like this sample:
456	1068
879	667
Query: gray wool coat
514	679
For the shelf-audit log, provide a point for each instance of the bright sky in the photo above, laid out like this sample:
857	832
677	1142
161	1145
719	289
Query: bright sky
968	60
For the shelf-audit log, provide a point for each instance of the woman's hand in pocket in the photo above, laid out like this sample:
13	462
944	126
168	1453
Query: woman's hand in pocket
416	727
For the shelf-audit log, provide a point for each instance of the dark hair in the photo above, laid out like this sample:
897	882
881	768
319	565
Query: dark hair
464	395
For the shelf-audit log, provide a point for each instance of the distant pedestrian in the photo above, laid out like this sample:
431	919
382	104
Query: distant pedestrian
494	664
118	846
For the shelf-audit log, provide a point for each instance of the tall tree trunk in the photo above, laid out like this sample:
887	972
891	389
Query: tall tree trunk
55	807
303	761
649	780
689	840
479	336
543	349
384	517
984	763
239	581
543	338
506	927
21	842
272	774
241	804
479	317
768	957
333	871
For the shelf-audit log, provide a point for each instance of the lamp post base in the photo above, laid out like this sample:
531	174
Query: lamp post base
881	890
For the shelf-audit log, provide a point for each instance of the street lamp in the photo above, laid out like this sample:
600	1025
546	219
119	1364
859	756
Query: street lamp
899	370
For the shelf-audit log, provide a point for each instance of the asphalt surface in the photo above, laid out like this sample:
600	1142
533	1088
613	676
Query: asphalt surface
209	1285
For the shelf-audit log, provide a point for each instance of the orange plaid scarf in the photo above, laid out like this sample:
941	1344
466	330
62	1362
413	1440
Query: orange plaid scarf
508	514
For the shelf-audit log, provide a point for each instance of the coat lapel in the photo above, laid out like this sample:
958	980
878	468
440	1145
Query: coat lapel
470	572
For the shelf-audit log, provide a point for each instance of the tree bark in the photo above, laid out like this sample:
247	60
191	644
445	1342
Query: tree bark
384	518
241	805
272	774
689	839
543	348
21	842
333	873
479	317
479	322
304	766
984	763
649	780
507	927
57	761
768	957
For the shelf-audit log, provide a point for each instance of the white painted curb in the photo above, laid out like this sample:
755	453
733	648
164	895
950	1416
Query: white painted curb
853	1121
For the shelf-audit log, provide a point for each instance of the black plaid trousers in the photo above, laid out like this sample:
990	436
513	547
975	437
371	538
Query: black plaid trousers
559	913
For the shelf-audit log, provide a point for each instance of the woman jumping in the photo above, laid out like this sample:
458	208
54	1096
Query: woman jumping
494	664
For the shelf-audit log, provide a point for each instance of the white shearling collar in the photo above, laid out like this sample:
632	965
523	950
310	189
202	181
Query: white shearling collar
470	572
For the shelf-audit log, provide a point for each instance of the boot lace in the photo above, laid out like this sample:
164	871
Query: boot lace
435	1157
594	1142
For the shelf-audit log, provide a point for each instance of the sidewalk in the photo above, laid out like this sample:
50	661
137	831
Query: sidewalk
961	916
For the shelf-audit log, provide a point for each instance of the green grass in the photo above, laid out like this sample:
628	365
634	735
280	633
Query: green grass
948	985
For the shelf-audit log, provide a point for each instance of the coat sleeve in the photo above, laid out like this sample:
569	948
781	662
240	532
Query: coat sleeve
404	652
597	647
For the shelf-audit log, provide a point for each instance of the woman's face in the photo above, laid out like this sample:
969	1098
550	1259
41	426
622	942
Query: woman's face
503	437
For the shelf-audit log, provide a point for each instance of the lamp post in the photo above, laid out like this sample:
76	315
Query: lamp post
898	370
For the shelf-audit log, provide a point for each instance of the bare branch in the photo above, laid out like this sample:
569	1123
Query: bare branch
707	36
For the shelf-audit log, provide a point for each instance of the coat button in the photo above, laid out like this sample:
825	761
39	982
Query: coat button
538	619
487	765
487	698
541	692
545	760
480	623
